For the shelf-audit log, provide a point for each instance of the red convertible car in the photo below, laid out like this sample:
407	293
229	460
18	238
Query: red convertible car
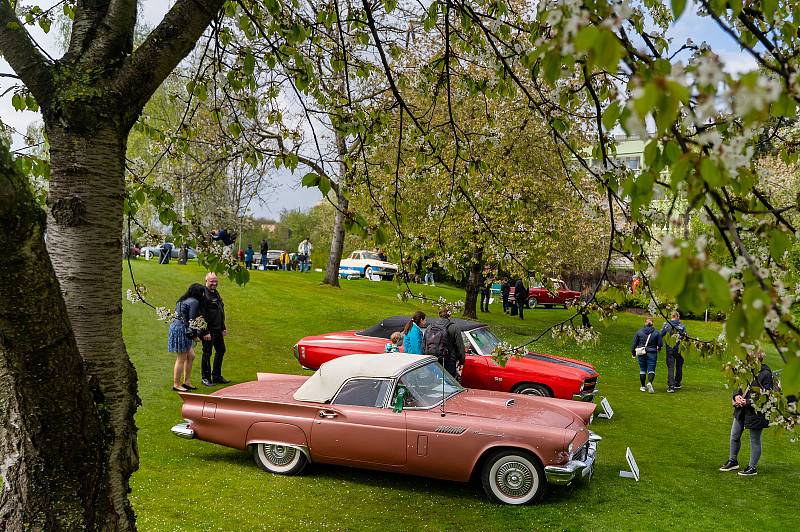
532	374
539	295
399	413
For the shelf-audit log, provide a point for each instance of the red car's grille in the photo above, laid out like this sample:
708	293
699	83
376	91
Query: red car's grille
589	384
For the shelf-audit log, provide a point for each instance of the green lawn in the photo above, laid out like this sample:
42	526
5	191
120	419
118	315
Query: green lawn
679	440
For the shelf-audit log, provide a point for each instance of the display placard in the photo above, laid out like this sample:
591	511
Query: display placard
607	412
634	472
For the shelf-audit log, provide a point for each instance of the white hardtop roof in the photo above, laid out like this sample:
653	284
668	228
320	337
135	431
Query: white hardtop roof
324	384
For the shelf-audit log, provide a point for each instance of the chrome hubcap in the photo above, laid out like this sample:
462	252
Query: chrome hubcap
514	479
279	455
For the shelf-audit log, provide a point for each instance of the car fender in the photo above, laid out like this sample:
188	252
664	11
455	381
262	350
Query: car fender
503	445
273	432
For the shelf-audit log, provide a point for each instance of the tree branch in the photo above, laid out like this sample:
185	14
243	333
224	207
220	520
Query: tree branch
21	53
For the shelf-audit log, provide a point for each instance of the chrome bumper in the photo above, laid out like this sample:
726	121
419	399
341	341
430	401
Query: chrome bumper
574	469
182	430
585	396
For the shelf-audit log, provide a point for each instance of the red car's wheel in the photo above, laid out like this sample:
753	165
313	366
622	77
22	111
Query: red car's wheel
530	388
513	477
532	302
280	459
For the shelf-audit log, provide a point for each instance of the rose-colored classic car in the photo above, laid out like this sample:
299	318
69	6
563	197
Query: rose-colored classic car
539	295
532	374
399	413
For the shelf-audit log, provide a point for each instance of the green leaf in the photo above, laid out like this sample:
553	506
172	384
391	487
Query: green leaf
324	185
710	173
18	102
672	275
586	38
380	236
611	114
790	376
677	7
779	242
717	288
651	153
311	180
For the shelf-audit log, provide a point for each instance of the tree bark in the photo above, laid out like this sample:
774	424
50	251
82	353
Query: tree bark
84	227
337	239
473	283
52	448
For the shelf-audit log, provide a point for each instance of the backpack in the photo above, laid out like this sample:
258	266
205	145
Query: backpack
435	341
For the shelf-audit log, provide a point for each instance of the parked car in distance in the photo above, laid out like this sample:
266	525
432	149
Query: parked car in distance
273	259
155	251
531	374
539	295
399	413
363	263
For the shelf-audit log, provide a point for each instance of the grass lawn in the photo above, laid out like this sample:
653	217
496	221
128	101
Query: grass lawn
679	440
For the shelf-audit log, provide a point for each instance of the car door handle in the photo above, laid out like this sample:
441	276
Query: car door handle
327	414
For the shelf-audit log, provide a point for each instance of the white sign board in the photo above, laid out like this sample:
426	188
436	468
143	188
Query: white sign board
634	472
607	412
375	277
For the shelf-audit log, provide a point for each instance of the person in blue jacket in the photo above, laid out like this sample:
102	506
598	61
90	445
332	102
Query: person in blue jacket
412	334
248	256
650	339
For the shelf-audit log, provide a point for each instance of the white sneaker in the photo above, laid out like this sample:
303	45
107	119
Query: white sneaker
650	387
641	389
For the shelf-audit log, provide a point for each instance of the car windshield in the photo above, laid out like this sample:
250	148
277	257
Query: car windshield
484	339
425	386
368	255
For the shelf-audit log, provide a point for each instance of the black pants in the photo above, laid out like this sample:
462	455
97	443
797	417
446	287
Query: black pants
217	343
674	368
484	301
450	365
521	305
506	304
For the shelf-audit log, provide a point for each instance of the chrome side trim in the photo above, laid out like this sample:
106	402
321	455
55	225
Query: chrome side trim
302	448
182	430
574	469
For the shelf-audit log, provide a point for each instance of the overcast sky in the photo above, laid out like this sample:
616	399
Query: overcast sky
288	194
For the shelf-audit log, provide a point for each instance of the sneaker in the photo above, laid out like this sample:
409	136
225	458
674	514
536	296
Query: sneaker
650	387
220	380
730	465
670	390
748	471
642	389
207	382
677	386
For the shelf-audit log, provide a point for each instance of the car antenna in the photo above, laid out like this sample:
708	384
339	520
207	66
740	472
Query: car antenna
443	396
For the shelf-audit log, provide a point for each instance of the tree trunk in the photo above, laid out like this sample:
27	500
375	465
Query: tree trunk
337	239
473	283
84	226
52	449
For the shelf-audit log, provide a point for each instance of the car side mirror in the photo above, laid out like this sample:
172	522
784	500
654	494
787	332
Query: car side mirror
399	399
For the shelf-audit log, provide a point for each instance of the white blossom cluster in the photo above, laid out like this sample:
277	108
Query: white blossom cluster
163	313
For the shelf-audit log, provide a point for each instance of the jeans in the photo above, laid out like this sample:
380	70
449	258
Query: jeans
674	368
217	343
484	301
450	365
304	267
285	267
736	442
647	363
429	278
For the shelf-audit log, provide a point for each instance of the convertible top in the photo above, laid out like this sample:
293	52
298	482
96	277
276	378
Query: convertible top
387	326
324	384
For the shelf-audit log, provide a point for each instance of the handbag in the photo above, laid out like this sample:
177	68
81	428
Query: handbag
642	351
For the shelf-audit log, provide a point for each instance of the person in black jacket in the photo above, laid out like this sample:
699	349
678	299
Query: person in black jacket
214	336
520	295
648	338
505	290
676	330
746	417
449	350
264	252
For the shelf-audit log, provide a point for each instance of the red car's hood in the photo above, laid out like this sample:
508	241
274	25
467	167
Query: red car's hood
527	409
566	364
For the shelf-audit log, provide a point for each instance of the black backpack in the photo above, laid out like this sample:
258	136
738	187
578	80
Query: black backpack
435	341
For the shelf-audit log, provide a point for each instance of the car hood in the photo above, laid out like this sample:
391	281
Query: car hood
564	364
526	409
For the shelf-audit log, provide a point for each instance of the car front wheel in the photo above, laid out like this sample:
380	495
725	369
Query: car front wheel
532	302
527	388
280	459
368	272
513	477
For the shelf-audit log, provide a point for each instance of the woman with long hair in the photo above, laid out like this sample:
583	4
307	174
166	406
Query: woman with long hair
183	331
412	334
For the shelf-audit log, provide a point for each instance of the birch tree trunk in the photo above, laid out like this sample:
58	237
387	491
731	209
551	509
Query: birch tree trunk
52	447
342	203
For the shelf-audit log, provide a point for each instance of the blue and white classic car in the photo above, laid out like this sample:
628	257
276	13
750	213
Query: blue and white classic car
366	264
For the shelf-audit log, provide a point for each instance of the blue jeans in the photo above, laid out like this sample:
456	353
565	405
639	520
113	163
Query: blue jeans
429	278
647	363
736	442
285	267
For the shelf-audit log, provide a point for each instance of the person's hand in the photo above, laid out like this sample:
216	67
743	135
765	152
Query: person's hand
207	338
225	332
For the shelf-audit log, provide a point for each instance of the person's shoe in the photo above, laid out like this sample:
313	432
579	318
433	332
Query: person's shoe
207	382
670	390
748	471
189	386
221	380
650	388
179	389
642	389
677	386
730	465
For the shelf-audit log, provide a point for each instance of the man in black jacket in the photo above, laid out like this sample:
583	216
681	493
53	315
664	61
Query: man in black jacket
677	331
264	250
505	290
746	417
520	295
214	337
444	341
